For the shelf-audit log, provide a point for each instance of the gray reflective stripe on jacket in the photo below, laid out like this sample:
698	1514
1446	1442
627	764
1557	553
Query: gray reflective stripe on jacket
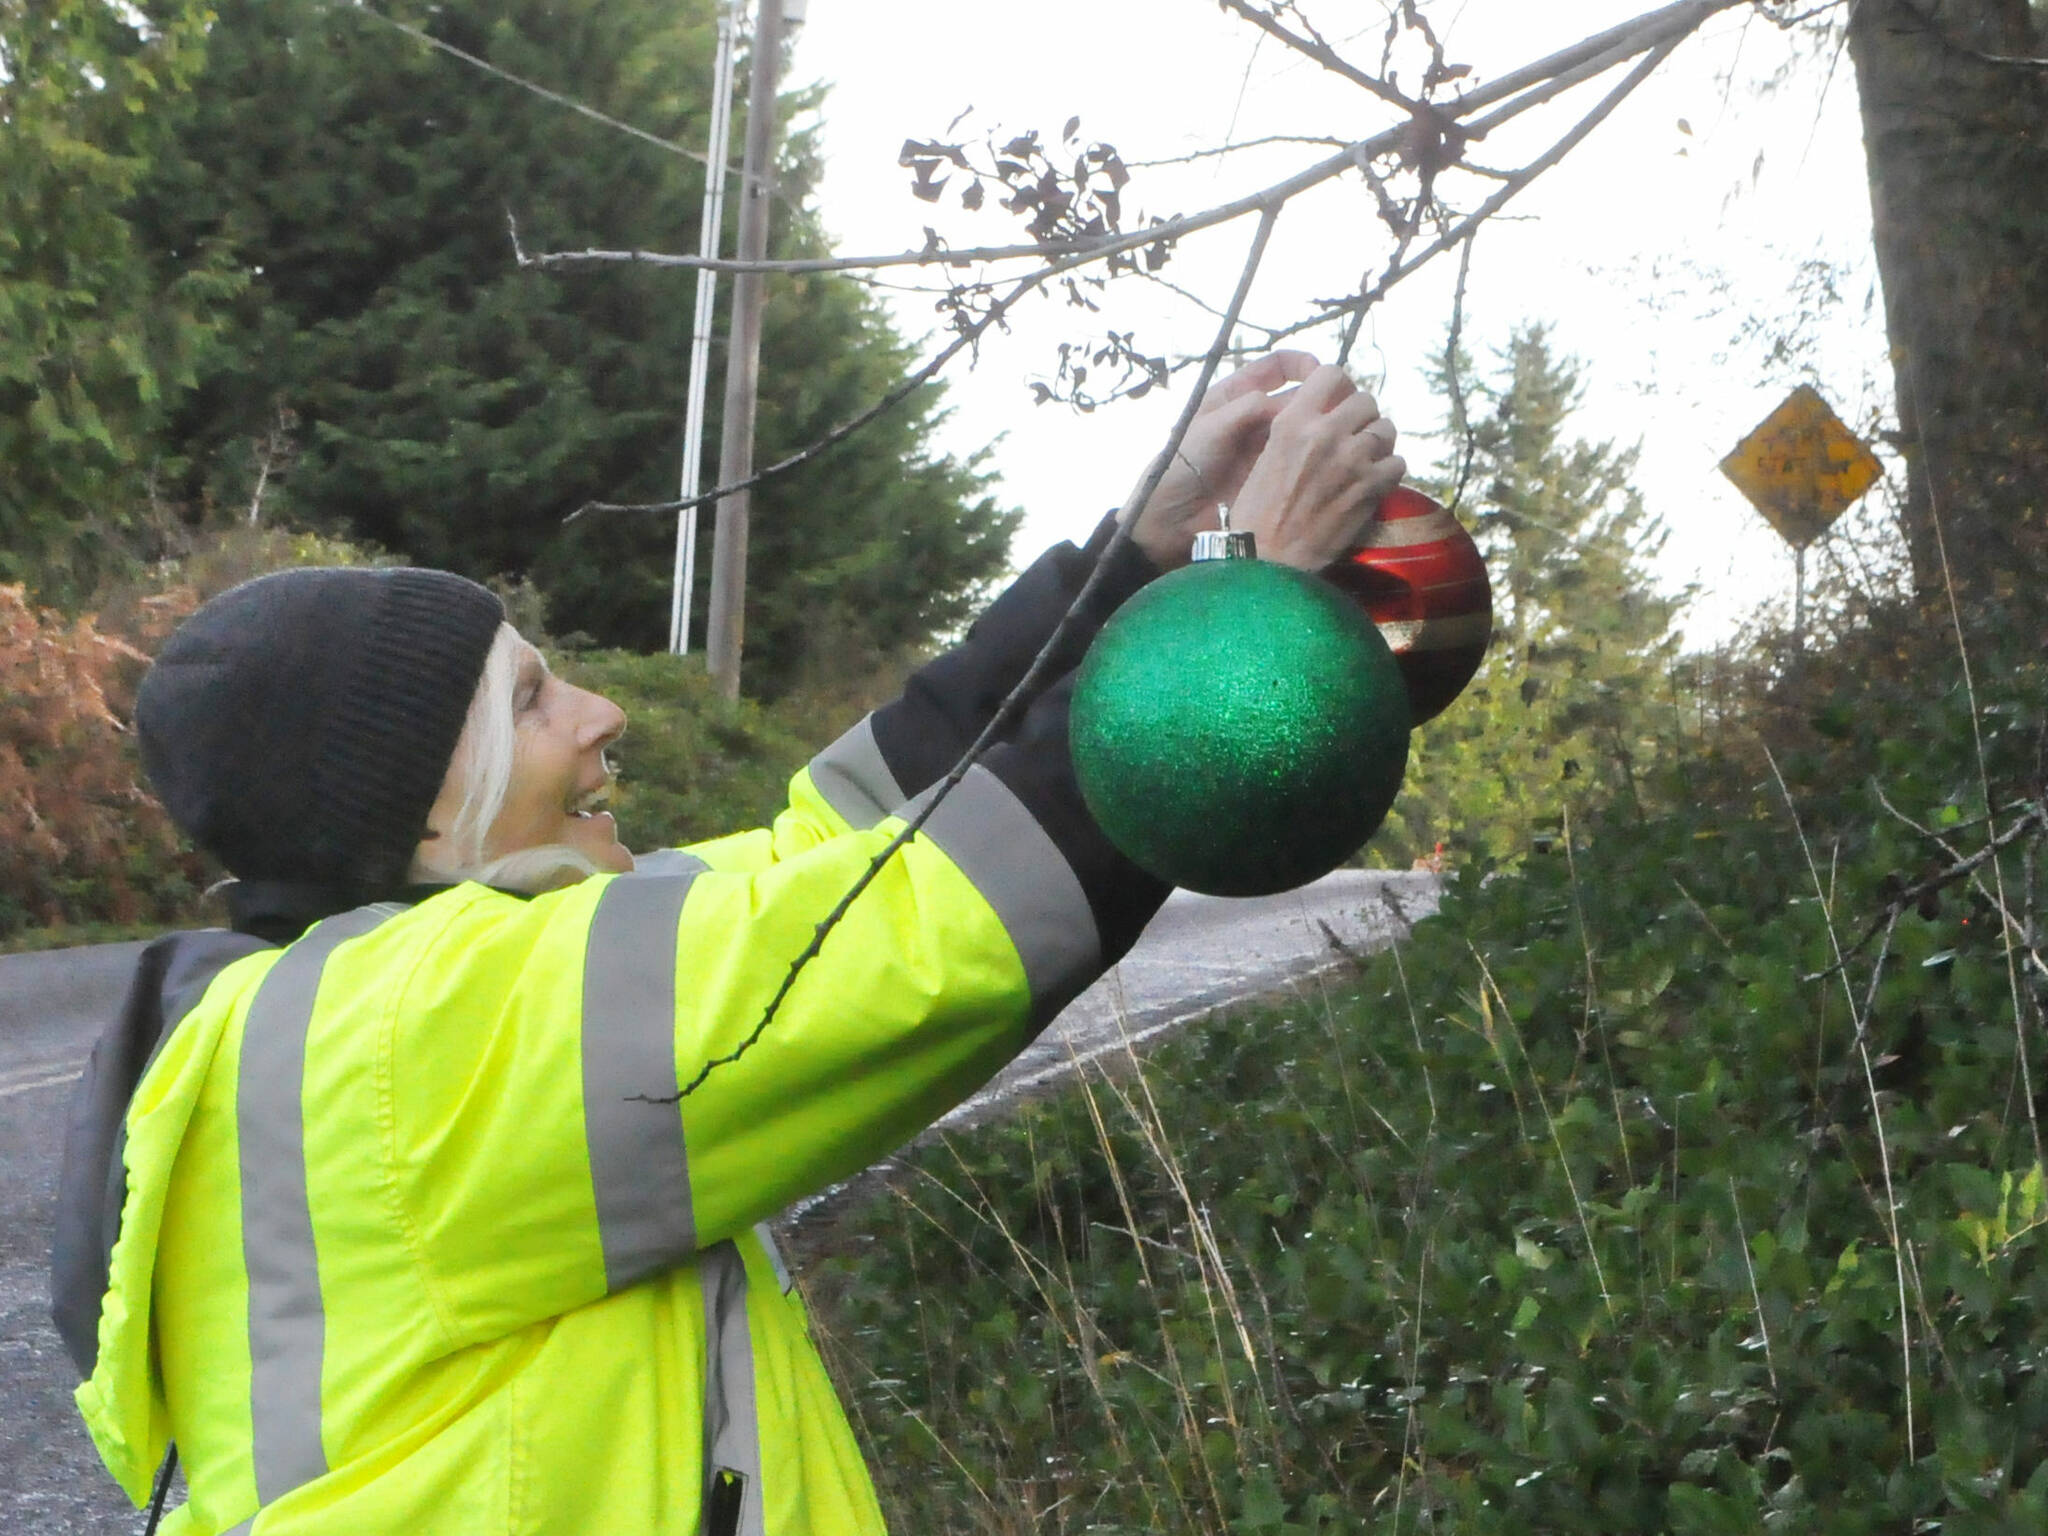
732	1431
999	845
667	861
639	1166
854	779
287	1321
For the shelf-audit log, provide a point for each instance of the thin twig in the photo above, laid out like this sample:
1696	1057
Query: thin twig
1200	303
1694	902
2020	931
1564	1163
1756	1294
1787	23
1238	146
1514	186
1406	225
1884	1152
966	338
1593	1020
1948	583
1027	686
1408	1434
1461	411
1659	30
1325	55
2034	821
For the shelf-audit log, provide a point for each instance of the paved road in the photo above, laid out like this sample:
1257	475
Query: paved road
1200	952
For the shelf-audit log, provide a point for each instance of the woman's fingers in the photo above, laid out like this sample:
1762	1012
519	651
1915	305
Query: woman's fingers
1262	376
1354	414
1377	440
1323	390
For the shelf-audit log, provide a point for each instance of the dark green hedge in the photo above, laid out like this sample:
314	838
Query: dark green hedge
1575	1217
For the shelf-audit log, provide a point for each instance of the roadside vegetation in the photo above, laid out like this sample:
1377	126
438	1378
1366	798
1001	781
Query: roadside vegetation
87	856
1685	1178
1683	1175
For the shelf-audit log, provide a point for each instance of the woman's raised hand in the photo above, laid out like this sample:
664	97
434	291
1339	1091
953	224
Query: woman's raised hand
1328	459
1222	444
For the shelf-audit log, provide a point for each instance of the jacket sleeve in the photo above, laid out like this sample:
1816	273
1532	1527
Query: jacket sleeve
910	743
584	1090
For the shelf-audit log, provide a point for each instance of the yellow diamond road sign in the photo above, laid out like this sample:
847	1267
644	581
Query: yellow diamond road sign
1802	468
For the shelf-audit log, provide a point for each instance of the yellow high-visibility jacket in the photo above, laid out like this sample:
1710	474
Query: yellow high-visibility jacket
445	1217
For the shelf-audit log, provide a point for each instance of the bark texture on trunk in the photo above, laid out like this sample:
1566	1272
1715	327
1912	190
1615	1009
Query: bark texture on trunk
1955	123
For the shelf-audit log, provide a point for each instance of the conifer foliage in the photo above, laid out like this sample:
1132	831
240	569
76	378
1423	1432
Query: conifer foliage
97	331
1573	701
453	406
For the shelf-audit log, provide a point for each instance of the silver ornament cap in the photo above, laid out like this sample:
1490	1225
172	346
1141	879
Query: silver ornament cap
1226	544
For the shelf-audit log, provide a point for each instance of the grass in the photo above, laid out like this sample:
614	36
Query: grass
1612	1203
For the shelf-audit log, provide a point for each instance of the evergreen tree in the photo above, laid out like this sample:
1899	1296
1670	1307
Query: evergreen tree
97	333
1574	696
454	407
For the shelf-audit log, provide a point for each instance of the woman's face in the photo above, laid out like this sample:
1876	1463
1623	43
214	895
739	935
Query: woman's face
559	771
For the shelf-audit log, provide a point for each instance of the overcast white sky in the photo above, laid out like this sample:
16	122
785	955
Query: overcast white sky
1645	251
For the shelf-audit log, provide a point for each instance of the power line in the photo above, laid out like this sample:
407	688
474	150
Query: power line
527	85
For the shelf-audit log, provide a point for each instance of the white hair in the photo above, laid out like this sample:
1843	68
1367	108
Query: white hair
482	766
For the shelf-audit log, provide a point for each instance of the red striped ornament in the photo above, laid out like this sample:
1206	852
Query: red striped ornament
1421	579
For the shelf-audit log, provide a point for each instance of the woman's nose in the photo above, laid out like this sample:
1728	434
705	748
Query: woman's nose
604	722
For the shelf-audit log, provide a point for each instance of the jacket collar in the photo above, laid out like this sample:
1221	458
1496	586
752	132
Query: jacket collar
279	911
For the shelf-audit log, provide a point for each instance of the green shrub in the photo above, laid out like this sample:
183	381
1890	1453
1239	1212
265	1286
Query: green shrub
693	766
1575	1216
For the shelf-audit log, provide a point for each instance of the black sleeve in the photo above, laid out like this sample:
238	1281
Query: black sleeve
908	744
1036	766
948	702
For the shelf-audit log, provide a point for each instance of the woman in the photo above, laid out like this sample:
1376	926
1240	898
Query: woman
428	1199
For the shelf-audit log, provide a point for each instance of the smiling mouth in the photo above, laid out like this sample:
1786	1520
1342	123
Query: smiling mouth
591	802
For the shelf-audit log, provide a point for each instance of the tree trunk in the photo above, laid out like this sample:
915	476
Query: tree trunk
1955	123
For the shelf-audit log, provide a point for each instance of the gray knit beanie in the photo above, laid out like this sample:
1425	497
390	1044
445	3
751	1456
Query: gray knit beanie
299	726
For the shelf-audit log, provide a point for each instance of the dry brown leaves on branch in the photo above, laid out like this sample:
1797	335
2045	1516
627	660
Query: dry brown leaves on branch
80	838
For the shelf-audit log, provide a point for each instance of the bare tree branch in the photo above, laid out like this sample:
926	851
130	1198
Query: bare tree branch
1034	676
1078	250
2021	931
1515	184
1200	303
2030	826
1461	413
1665	29
1654	31
1323	141
965	339
1671	24
1323	54
1787	23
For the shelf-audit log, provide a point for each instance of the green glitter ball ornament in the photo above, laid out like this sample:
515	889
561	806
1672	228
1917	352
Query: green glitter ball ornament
1239	728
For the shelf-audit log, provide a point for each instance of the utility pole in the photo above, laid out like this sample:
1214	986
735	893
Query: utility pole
710	225
727	627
